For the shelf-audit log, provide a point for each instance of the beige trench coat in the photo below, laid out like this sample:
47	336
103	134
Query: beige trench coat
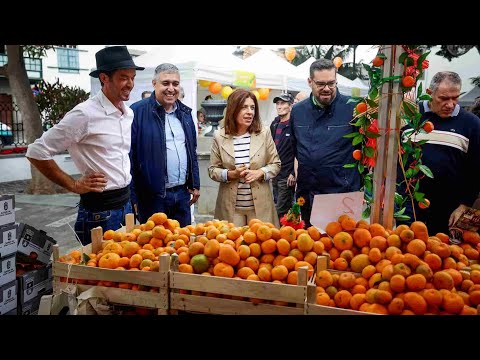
262	153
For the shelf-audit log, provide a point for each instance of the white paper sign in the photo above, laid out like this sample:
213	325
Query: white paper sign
329	207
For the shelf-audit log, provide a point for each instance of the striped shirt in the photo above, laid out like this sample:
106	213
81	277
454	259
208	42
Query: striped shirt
241	145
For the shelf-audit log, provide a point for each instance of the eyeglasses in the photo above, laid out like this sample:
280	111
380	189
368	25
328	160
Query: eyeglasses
321	85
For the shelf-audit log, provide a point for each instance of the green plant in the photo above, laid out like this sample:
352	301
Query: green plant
55	100
410	151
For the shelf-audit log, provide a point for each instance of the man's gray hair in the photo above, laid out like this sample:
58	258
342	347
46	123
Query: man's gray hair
441	76
321	64
165	68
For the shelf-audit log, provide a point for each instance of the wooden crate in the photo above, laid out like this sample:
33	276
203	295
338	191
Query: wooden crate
294	294
116	295
311	308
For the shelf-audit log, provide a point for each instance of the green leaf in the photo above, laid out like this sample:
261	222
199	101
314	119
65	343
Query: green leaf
372	103
418	196
373	93
417	186
402	57
409	62
402	217
361	120
409	109
368	184
372	135
85	258
419	90
374	115
422	142
388	78
354	99
421	59
409	173
400	212
369	151
367	67
426	171
425	97
381	55
357	139
366	212
348	166
361	167
398	199
351	135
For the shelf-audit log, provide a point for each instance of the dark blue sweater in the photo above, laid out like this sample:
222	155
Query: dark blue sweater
453	155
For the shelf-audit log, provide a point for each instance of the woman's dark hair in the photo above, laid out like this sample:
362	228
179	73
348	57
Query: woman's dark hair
234	105
475	109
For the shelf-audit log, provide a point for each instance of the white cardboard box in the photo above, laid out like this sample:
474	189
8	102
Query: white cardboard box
8	297
7	209
35	283
7	269
8	240
34	245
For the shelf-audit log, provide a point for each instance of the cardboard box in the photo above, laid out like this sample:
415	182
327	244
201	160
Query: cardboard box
8	297
7	209
34	245
8	240
7	269
31	306
35	283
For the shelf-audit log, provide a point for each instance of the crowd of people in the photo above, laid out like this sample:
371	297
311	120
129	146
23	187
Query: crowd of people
143	158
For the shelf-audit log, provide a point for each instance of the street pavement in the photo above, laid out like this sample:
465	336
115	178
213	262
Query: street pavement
54	214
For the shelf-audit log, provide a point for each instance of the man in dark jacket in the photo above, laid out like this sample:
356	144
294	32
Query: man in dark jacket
284	182
319	123
452	153
165	176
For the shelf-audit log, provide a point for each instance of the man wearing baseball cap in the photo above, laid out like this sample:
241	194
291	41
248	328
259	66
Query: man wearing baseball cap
284	182
97	135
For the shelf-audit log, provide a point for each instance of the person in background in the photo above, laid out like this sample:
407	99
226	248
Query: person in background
243	159
146	94
300	96
284	182
318	126
202	119
164	151
475	108
96	134
452	153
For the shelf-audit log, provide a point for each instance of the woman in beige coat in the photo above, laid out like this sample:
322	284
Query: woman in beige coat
243	159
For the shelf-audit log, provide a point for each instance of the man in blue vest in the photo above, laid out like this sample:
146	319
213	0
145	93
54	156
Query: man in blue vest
319	123
165	176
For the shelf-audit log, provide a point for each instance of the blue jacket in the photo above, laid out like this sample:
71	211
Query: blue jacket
148	154
321	150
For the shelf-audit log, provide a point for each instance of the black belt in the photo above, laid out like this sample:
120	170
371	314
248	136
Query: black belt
176	188
107	200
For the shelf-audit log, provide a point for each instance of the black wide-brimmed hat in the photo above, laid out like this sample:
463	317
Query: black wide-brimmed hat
113	58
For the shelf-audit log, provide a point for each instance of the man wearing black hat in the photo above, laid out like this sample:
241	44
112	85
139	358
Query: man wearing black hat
284	182
97	134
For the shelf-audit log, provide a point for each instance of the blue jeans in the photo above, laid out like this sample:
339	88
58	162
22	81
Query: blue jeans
175	205
108	220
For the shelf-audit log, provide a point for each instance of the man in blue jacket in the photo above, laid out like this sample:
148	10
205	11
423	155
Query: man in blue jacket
319	123
165	176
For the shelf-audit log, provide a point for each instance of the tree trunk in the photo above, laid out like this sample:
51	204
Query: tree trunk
32	123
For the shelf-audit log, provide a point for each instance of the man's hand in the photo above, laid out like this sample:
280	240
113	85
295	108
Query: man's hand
236	174
94	182
291	180
252	175
456	214
196	195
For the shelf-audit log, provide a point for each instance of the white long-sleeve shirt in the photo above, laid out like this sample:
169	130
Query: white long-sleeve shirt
97	135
